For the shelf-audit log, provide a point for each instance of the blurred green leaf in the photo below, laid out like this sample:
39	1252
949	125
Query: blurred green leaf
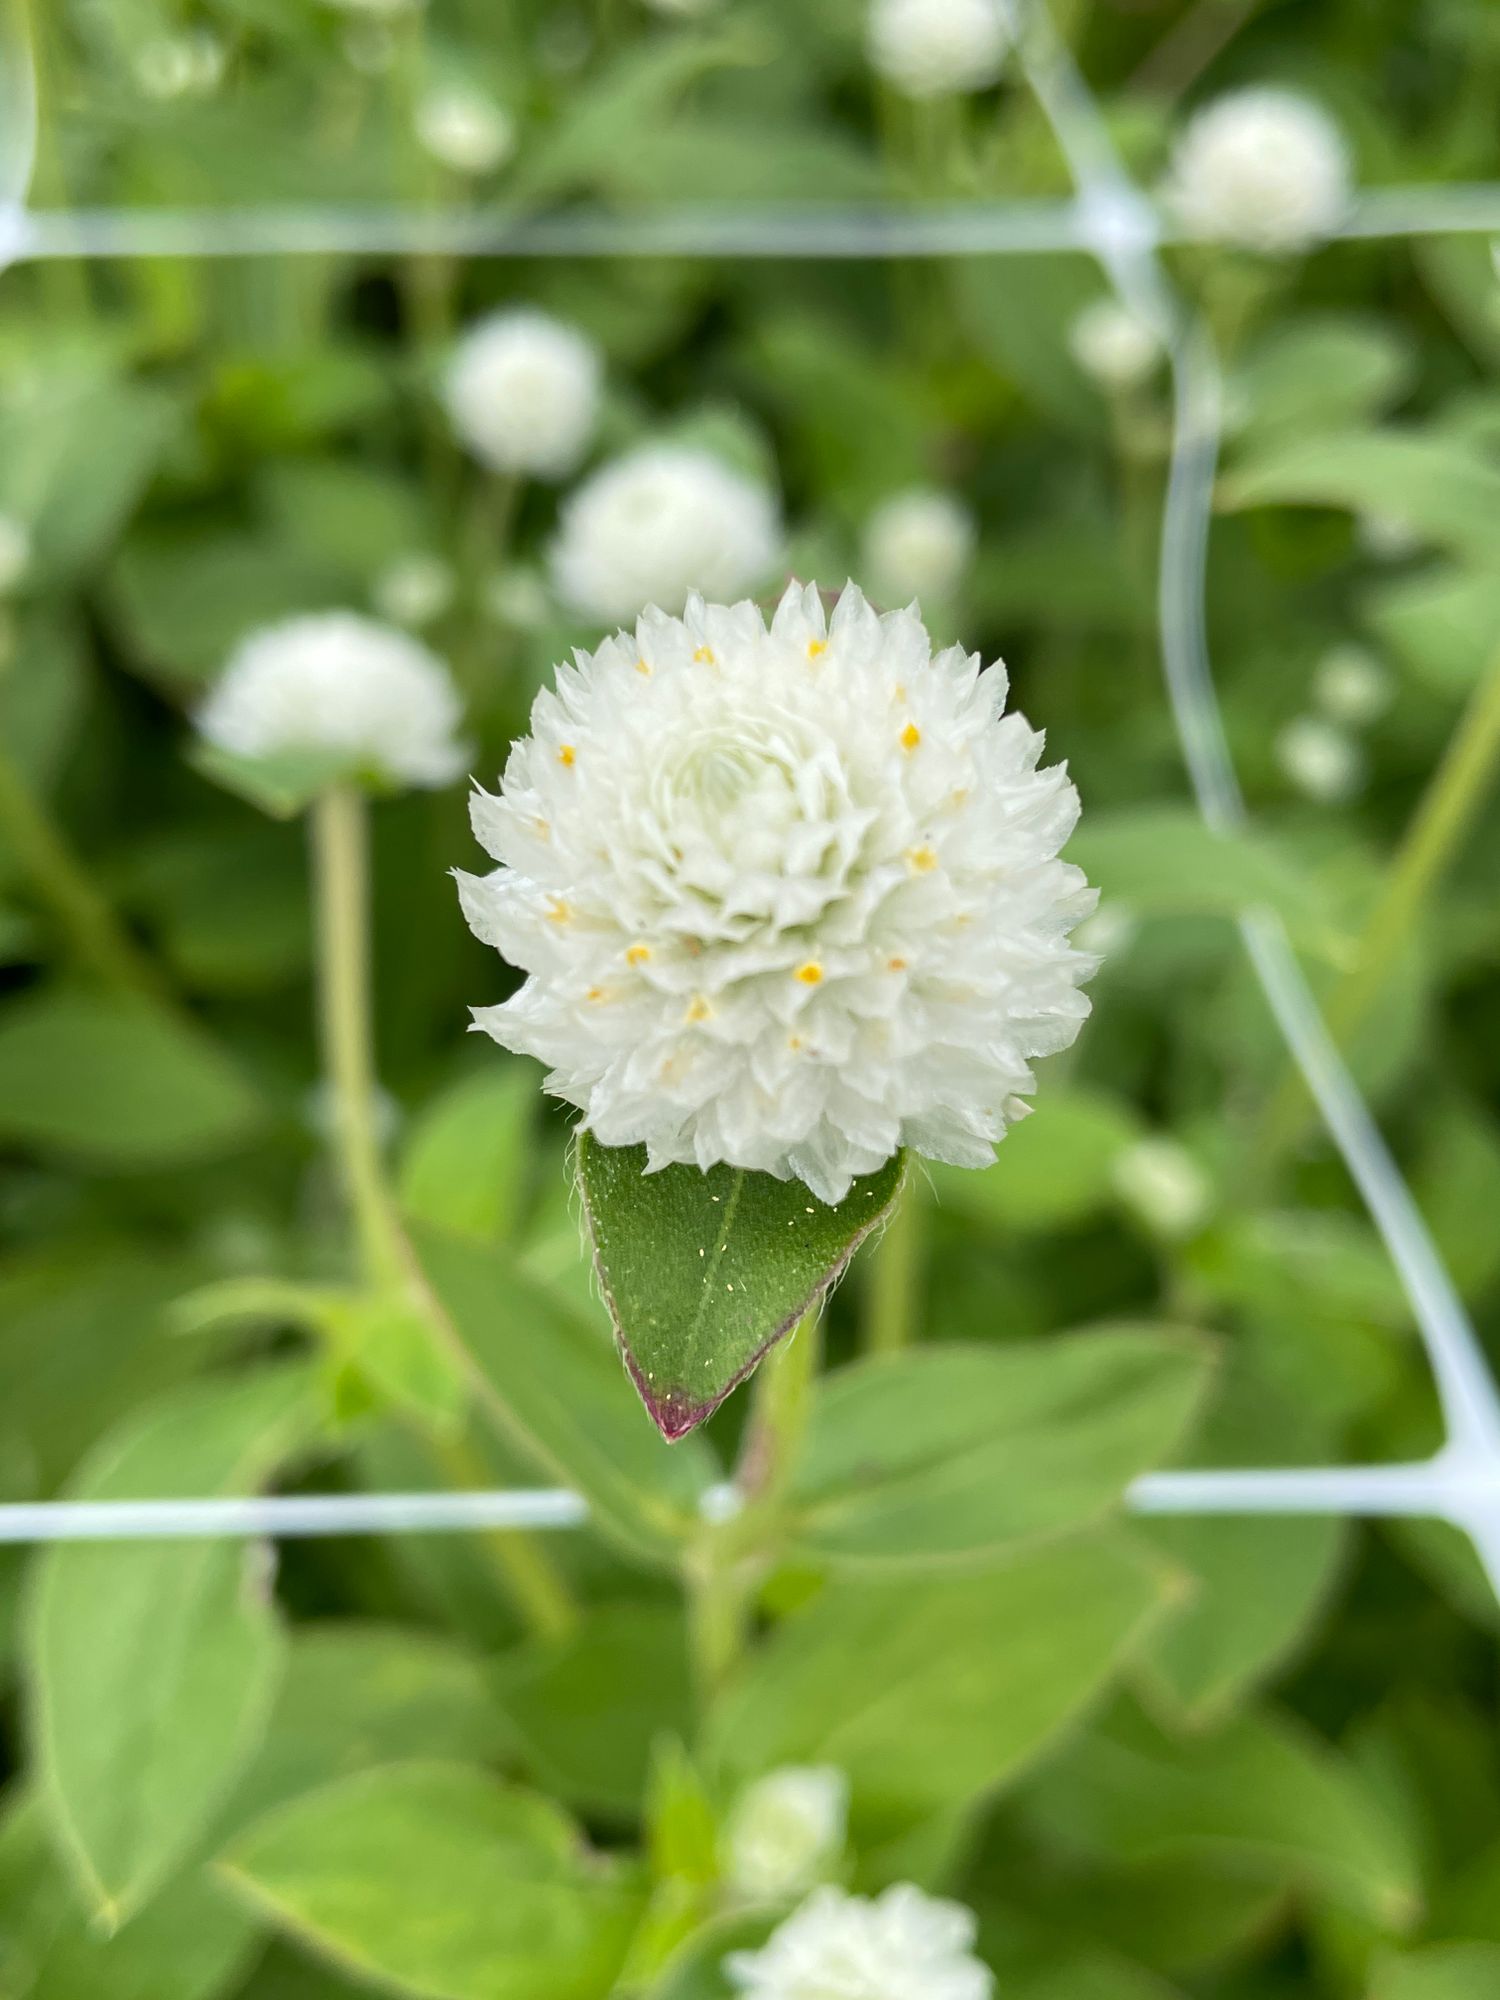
1052	1170
1318	371
1438	1972
468	1156
1441	623
1431	484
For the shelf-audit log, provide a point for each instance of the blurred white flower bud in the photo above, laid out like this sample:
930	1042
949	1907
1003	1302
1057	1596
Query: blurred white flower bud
522	392
1351	686
931	48
1386	537
414	590
465	129
1266	169
1161	1183
918	544
519	597
15	553
1113	345
190	65
786	1833
1112	929
1321	761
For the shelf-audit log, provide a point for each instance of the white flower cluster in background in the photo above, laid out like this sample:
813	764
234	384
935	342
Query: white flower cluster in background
1161	1183
661	521
1114	346
934	48
15	553
1320	760
414	589
522	392
902	1945
787	897
1263	168
339	685
1352	687
465	129
786	1831
918	544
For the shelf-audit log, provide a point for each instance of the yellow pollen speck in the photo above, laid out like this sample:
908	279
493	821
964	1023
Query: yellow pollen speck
895	965
566	754
638	954
541	829
704	655
922	860
699	1010
911	736
597	993
810	974
794	1043
816	648
900	690
561	911
642	668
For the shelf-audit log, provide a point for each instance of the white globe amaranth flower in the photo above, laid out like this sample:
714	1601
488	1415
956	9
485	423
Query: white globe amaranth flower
465	129
901	1945
934	48
1352	687
340	685
522	392
918	544
662	521
788	897
1113	345
414	589
1161	1183
15	553
1263	168
786	1831
1320	760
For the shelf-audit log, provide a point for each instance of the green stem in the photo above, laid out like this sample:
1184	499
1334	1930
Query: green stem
1443	819
534	1584
893	1277
94	933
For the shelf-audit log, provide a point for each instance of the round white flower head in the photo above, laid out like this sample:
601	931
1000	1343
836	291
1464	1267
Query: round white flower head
338	684
788	898
1114	346
901	1945
1263	168
786	1831
1321	761
414	589
918	544
523	392
1352	687
930	48
15	552
661	521
465	129
1162	1184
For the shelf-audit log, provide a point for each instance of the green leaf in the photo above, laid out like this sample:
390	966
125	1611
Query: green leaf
438	1881
1438	488
115	1083
1318	371
704	1273
1053	1169
938	1689
152	1665
1438	1972
1443	623
950	1453
552	1385
283	785
469	1155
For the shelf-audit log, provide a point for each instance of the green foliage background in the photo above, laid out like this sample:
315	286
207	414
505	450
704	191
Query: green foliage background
1229	1759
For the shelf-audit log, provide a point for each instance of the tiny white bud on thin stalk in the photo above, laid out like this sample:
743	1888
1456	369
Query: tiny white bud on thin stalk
1262	168
918	544
786	1832
936	48
1352	687
414	590
662	521
1114	346
522	392
788	896
466	130
339	685
1321	761
901	1945
1162	1184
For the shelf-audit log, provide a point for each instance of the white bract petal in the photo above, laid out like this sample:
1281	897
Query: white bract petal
15	552
902	1945
786	1831
787	897
1323	762
340	685
522	392
1265	169
1113	345
931	48
465	129
918	544
666	519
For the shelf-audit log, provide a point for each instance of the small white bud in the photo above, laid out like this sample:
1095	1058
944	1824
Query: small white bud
522	392
466	130
1322	762
180	65
15	553
918	544
414	590
1113	345
932	48
786	1833
1351	686
1265	169
1386	537
1161	1183
519	597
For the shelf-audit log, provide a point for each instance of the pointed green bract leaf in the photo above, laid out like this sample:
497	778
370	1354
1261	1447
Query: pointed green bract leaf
282	785
434	1879
153	1664
1439	1972
704	1273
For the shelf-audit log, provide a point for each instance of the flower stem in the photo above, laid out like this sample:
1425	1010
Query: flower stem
893	1278
95	934
1442	821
